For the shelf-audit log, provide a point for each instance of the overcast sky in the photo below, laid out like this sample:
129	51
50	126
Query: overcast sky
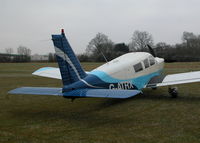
31	22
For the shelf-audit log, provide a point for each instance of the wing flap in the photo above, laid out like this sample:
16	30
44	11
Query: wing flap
37	91
104	93
174	79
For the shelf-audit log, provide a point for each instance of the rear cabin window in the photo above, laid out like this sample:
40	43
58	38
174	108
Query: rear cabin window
152	61
146	63
138	67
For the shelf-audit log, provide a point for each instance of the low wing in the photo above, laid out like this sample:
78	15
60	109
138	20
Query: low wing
174	79
105	93
50	72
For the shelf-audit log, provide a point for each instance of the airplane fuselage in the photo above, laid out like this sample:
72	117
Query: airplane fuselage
129	71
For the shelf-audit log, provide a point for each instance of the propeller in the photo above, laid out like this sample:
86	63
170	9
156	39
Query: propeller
151	50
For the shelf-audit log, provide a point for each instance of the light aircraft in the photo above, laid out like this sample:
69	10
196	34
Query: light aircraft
123	77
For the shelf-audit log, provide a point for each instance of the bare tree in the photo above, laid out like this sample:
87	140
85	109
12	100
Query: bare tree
99	42
188	36
140	39
21	50
191	44
25	54
51	57
9	50
98	45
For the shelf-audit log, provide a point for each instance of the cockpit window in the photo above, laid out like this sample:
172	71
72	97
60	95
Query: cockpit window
151	60
146	63
138	67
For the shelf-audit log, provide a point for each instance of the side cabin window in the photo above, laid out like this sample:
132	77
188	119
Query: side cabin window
146	63
138	67
151	60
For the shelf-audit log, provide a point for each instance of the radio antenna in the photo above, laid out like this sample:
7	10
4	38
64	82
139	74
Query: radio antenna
103	55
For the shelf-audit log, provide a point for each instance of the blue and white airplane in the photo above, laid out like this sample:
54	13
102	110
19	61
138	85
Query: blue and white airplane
123	77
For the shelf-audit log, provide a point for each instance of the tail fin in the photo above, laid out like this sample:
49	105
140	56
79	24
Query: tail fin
70	67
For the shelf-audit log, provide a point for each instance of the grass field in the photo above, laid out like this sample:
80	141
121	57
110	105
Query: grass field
150	118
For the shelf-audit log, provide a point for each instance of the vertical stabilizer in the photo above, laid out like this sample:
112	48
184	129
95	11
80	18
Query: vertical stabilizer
70	67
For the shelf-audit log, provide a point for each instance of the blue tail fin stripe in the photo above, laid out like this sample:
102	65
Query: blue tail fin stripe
64	56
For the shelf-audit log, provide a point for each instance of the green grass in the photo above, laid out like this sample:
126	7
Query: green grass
149	118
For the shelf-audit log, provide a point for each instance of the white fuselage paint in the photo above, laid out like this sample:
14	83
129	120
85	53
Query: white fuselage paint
122	67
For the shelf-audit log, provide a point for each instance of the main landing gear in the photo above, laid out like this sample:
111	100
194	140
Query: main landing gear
173	91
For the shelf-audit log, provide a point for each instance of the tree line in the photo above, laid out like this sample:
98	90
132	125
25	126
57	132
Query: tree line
101	49
101	46
23	55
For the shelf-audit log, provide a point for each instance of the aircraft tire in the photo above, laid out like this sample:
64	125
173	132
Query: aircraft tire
173	91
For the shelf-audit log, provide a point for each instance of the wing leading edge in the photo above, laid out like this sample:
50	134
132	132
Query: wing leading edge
174	79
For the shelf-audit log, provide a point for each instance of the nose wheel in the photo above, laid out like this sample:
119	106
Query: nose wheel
173	91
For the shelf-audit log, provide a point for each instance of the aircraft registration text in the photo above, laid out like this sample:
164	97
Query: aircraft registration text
122	85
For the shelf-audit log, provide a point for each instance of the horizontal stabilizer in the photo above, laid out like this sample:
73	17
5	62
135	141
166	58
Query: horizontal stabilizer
105	93
37	91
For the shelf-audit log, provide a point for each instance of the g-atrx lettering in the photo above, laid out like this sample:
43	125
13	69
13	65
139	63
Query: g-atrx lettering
122	85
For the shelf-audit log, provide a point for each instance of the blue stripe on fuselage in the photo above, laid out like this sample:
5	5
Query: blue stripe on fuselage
139	82
102	80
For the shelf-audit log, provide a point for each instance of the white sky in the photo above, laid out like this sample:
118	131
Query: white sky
31	22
